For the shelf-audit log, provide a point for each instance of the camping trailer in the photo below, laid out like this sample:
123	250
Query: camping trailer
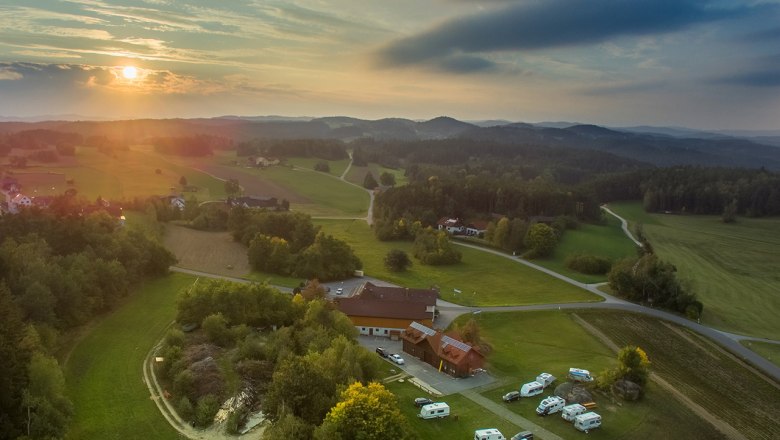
488	434
569	412
550	405
586	422
531	389
545	379
434	411
579	375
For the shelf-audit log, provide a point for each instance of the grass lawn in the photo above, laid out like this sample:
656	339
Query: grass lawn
466	416
337	167
356	175
732	268
607	241
484	279
103	372
528	343
709	376
769	351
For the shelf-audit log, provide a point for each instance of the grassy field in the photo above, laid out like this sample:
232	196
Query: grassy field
103	371
731	267
466	416
483	279
699	369
552	342
337	167
356	175
607	241
769	351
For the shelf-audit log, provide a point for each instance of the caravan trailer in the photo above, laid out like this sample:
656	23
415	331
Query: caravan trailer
586	422
531	389
580	375
550	405
434	411
488	434
569	412
545	379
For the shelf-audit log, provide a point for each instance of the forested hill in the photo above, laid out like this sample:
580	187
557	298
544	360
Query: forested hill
651	148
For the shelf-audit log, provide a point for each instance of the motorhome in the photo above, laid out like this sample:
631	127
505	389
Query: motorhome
550	405
579	375
531	389
545	379
434	411
488	434
569	412
586	422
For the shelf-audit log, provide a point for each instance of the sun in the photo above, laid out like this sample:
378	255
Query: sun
130	72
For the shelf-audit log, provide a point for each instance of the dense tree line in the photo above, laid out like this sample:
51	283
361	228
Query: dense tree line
38	139
197	145
59	268
288	243
293	357
328	149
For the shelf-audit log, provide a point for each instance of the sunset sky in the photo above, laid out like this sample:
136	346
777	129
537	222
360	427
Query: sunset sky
701	64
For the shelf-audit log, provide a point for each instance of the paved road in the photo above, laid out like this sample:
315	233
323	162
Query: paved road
623	224
503	412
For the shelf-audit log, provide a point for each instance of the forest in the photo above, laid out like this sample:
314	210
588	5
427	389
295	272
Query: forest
60	268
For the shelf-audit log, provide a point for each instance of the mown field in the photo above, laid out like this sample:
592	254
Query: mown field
699	369
731	267
528	343
356	175
606	241
103	371
337	167
466	416
483	279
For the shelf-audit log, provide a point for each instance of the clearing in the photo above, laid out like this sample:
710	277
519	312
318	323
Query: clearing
732	268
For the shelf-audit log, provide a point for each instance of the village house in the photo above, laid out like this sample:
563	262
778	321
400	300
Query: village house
176	202
253	202
387	311
476	228
17	202
451	225
262	161
444	352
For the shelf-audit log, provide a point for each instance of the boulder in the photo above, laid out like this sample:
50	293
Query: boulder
627	390
573	393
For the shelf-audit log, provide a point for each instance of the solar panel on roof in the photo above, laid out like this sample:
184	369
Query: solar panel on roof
419	327
455	343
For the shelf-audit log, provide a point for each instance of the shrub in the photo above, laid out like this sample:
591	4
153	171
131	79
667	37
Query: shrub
208	406
588	264
185	409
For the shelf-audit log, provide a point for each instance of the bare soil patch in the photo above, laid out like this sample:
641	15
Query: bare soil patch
213	252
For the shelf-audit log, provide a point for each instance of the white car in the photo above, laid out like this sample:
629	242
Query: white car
339	291
396	358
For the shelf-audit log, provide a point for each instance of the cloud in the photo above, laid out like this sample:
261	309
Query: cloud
6	74
758	78
549	24
625	87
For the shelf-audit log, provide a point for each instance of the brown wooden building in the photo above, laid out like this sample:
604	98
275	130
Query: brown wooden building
387	311
444	352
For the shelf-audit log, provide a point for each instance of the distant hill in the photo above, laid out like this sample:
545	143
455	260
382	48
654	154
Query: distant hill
661	146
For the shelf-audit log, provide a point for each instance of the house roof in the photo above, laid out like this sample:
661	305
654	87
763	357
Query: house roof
18	198
386	293
480	225
448	222
446	346
389	302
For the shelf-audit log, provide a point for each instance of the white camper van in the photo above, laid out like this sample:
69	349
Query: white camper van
434	411
545	379
531	389
488	434
579	375
569	412
586	422
550	405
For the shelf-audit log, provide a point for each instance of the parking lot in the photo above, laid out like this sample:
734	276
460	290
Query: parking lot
441	382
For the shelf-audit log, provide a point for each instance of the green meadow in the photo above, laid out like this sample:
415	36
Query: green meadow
731	267
356	175
103	370
483	279
766	349
606	240
337	167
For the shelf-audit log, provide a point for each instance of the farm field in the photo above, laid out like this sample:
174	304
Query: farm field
769	351
552	342
729	391
466	416
356	175
103	371
607	241
337	167
731	267
483	279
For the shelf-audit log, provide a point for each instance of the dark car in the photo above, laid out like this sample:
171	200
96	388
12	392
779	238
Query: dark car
422	401
525	435
381	352
511	396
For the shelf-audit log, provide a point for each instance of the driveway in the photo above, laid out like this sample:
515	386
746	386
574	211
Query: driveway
444	383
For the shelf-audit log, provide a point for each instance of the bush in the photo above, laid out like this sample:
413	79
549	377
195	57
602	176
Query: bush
216	329
397	260
174	338
185	409
184	384
208	406
588	264
322	166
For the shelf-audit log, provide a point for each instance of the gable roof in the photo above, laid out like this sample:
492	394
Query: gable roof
389	302
447	346
387	293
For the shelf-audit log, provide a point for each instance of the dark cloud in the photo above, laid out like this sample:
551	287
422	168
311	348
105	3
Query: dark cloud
464	64
764	35
620	89
550	23
758	78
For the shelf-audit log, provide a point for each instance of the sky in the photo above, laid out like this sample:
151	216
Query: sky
693	63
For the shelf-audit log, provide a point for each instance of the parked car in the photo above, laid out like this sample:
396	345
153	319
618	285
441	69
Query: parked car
525	435
422	401
339	291
397	359
381	352
511	396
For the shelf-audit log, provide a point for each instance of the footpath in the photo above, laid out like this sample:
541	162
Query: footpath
508	415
